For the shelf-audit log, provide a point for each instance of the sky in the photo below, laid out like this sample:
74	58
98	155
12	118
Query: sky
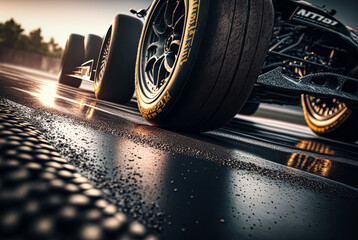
59	18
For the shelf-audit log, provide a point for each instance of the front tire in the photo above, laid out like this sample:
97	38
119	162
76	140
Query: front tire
73	56
198	60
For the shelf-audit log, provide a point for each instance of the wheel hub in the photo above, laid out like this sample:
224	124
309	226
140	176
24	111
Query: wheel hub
324	108
168	43
160	49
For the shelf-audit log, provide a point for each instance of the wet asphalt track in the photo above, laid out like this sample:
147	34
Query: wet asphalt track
255	178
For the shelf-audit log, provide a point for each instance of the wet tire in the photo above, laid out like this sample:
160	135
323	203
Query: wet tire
249	108
93	45
73	56
331	118
114	78
198	61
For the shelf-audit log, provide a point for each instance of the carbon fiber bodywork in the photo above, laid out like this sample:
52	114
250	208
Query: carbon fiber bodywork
311	52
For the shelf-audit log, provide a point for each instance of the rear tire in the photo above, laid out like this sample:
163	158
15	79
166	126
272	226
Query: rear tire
340	121
73	56
93	45
198	61
114	78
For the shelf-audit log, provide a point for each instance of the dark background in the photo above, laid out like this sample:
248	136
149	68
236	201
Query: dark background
347	10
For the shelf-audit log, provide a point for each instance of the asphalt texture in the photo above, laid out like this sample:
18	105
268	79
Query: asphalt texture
256	178
44	197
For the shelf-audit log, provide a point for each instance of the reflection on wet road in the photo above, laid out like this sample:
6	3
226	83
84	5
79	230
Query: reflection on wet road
255	178
310	164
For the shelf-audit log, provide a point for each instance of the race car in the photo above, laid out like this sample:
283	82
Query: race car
195	64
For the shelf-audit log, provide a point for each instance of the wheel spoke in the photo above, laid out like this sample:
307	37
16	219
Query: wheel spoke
168	14
174	46
150	63
169	62
178	11
159	49
161	73
156	69
179	24
153	45
158	30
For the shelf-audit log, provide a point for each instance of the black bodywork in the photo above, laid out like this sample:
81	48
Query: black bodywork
310	52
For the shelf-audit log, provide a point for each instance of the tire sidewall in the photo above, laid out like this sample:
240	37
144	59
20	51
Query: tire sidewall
99	82
111	56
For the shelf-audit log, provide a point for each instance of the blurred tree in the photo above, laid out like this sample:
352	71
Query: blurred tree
11	36
54	49
22	42
36	44
10	32
35	40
